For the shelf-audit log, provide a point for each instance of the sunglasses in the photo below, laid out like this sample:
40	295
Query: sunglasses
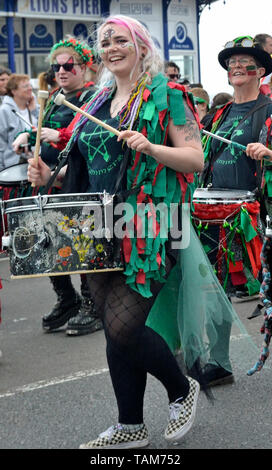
246	42
174	75
68	67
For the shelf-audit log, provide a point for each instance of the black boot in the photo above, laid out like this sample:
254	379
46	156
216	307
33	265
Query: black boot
67	306
87	320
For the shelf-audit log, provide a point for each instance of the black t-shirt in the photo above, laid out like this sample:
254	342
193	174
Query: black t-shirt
102	153
58	117
233	169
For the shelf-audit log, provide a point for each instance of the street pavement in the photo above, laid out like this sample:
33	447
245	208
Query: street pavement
55	390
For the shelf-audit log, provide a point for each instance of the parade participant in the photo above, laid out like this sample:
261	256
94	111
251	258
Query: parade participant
162	134
260	151
202	101
228	167
71	61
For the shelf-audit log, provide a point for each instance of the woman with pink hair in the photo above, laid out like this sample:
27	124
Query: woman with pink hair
154	159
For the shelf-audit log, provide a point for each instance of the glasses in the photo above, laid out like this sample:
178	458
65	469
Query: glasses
174	75
25	86
240	42
243	62
68	67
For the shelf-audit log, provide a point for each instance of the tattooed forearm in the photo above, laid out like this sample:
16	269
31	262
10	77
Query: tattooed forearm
191	130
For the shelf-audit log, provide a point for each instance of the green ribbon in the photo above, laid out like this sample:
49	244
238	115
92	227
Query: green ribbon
248	230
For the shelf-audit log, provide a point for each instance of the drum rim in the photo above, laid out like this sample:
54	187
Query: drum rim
50	205
13	182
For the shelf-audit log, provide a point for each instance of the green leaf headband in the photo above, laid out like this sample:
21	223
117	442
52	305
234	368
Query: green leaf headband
85	53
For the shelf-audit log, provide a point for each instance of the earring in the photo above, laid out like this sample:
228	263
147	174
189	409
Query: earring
143	55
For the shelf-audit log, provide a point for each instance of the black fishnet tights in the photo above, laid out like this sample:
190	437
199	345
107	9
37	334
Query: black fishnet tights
133	349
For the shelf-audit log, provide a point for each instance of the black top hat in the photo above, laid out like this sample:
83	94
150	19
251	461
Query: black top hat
245	45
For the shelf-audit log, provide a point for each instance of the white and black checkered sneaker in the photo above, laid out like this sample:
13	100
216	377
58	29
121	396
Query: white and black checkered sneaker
182	414
116	438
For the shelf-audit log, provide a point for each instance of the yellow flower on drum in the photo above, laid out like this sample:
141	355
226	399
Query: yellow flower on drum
99	247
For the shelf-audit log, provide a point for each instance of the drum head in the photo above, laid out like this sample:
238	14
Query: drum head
14	174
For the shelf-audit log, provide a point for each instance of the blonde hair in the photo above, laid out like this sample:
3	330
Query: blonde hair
14	82
152	63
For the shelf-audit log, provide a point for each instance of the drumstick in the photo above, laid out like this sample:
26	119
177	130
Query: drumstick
43	95
227	141
60	99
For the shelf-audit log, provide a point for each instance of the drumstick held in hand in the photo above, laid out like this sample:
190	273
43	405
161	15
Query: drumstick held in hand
227	141
60	99
43	95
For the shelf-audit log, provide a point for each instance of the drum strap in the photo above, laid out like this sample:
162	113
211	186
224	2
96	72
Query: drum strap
62	162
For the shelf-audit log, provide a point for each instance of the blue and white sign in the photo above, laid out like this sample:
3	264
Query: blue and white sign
41	38
4	39
181	39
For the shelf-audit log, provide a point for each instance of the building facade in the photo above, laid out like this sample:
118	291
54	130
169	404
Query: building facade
29	28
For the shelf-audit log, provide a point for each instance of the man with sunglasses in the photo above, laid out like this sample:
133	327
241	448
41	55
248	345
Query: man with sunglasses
71	61
172	71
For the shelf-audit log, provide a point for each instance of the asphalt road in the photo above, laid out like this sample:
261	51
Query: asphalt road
55	390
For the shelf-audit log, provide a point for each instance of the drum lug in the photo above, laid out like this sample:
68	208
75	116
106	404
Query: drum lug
268	230
107	200
6	242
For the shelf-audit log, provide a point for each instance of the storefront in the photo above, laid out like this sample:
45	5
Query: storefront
29	28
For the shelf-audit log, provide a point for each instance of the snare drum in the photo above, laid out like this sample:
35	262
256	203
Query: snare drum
14	175
228	225
61	234
13	183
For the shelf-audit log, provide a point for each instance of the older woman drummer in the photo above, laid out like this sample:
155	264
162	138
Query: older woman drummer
228	167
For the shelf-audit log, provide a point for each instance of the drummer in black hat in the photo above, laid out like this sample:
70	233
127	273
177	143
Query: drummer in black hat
229	167
246	64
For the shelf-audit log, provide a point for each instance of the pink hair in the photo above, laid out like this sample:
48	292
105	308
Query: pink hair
133	26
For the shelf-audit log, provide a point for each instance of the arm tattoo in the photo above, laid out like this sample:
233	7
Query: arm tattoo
190	129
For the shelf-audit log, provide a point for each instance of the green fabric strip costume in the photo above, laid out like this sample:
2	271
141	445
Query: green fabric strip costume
148	182
157	183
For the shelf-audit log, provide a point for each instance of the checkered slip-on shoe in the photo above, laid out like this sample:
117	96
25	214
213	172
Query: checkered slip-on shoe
182	414
116	438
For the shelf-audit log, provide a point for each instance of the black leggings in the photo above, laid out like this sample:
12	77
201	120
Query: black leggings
133	349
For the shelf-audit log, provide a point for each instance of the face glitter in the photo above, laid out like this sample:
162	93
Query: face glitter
109	33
